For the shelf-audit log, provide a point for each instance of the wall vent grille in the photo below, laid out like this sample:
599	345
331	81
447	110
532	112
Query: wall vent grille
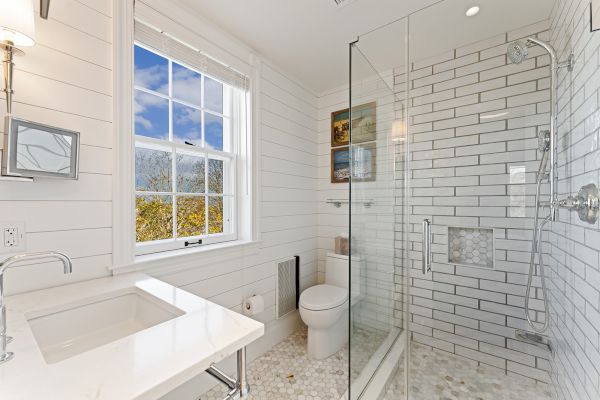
286	287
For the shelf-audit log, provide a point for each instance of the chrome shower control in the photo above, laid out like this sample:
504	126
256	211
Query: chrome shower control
585	203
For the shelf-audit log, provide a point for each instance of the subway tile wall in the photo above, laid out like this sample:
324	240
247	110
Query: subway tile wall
575	277
473	157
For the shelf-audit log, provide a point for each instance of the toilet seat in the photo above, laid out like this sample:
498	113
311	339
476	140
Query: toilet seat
323	297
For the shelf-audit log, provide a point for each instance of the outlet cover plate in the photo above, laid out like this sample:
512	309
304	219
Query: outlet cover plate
12	235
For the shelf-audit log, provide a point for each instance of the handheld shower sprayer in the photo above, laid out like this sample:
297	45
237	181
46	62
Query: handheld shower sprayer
543	147
544	140
518	52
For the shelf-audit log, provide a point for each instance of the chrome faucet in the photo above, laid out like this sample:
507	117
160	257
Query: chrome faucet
68	268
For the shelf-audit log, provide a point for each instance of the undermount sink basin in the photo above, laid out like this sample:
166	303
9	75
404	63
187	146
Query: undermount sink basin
78	327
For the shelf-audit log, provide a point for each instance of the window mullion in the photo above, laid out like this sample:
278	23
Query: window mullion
202	114
173	154
206	186
174	189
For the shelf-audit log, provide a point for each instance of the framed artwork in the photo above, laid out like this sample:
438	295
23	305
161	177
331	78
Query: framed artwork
595	15
364	162
364	123
340	128
340	165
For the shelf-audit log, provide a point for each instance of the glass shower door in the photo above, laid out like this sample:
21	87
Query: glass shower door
376	163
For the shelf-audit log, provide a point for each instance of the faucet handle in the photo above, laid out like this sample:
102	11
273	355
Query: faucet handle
586	203
570	203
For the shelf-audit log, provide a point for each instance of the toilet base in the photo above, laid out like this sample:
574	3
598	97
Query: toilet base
323	343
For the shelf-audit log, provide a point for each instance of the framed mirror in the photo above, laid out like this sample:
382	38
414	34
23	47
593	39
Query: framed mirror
36	150
595	15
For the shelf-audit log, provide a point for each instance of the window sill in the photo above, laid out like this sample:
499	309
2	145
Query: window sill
175	260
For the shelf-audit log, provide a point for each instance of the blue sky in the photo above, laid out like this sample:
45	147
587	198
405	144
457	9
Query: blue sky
152	112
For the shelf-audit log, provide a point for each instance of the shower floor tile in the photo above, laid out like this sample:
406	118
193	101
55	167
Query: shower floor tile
436	375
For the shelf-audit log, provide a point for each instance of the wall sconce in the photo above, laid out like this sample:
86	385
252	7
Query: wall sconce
44	8
398	131
17	29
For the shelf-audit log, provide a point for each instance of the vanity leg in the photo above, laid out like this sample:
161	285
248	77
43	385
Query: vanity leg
239	388
242	381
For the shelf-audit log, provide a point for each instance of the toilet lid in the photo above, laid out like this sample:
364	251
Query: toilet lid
323	297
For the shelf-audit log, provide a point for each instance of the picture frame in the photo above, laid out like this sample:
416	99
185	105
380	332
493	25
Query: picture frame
340	128
364	162
364	123
340	165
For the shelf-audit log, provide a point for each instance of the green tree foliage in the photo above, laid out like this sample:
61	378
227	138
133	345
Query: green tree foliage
154	213
191	216
154	218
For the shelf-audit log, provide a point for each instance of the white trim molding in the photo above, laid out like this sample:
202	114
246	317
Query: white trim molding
123	198
248	174
178	260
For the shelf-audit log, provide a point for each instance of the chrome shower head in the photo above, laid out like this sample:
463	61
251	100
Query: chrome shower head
517	52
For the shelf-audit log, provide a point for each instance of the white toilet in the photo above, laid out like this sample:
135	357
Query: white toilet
324	309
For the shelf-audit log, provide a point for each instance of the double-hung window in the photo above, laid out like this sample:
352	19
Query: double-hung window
185	154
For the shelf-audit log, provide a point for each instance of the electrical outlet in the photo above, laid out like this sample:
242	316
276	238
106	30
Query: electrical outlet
13	237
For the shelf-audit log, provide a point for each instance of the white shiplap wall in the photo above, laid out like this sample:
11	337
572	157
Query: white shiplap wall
66	80
332	221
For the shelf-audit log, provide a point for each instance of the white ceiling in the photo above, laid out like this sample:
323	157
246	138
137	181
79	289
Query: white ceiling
309	38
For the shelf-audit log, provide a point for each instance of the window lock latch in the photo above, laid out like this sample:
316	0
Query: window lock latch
196	243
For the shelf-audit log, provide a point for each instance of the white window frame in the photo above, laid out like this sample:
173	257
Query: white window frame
231	117
248	161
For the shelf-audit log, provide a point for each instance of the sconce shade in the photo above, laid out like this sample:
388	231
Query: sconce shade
17	22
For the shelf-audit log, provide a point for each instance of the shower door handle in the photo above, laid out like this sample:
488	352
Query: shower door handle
426	248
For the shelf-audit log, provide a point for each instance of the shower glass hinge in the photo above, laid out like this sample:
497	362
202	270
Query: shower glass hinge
536	339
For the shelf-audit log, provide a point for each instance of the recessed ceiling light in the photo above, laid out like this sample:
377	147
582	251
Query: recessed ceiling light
471	12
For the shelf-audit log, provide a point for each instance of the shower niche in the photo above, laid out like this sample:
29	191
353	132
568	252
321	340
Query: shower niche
471	246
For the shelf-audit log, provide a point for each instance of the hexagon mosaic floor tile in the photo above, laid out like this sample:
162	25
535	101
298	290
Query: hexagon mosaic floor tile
436	375
286	372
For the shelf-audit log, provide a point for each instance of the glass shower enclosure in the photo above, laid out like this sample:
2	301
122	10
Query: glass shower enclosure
377	210
443	162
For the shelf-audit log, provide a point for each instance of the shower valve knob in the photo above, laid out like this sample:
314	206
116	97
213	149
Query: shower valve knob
586	203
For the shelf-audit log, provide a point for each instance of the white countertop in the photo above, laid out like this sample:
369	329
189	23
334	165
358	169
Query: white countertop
145	365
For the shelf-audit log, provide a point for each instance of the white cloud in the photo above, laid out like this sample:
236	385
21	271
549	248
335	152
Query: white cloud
146	123
155	77
186	85
186	115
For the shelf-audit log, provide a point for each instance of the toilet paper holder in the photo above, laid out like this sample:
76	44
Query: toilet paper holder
253	305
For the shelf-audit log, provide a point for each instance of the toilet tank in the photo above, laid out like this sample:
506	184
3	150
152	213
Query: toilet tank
336	270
